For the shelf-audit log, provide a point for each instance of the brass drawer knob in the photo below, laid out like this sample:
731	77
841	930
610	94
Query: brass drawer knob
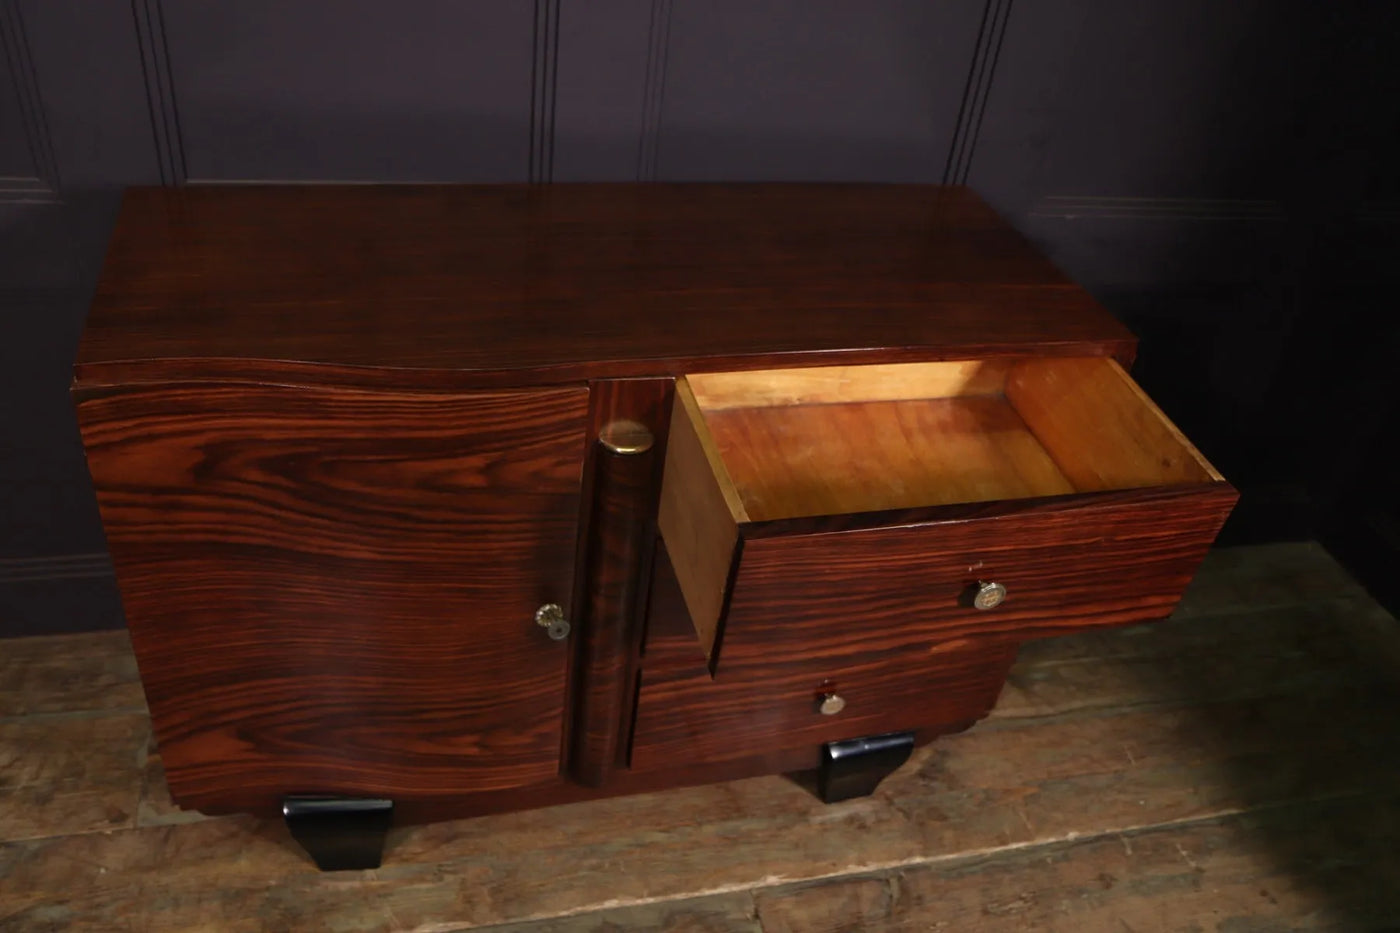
831	704
989	595
626	437
550	617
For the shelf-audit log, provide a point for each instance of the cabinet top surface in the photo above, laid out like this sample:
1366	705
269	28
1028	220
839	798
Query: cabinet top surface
569	281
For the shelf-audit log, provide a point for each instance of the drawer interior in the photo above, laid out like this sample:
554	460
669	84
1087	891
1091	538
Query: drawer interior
836	440
773	445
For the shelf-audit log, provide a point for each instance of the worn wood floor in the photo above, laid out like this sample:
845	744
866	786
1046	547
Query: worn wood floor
1232	769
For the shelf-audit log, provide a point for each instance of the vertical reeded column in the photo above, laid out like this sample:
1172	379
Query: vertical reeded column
623	496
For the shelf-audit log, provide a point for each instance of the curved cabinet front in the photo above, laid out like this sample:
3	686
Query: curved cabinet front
333	591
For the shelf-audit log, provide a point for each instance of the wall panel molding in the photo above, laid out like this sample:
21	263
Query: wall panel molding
149	17
55	567
415	91
995	15
19	61
58	595
26	189
654	89
544	86
1071	207
817	90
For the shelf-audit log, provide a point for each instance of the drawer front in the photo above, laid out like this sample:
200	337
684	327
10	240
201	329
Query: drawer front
849	511
685	715
1106	559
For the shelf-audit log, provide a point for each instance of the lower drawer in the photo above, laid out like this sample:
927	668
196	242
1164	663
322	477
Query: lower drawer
686	715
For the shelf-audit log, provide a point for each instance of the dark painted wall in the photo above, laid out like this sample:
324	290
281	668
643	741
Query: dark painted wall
1219	174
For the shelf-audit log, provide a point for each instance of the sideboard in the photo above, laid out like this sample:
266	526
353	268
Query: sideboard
432	501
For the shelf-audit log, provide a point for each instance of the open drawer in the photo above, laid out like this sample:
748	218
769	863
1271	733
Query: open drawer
844	512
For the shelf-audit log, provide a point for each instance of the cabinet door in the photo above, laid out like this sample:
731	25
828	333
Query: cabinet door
333	591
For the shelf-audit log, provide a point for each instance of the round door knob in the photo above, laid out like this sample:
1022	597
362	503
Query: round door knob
989	595
831	704
550	617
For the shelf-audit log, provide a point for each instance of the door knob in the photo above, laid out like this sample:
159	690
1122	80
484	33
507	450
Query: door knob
550	617
989	595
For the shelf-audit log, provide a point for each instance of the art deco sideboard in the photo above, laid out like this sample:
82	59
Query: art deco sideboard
434	501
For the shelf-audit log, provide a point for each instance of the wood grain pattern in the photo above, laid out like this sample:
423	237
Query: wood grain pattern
685	712
723	913
333	591
622	497
1235	781
1090	440
1261	872
828	441
825	385
883	592
690	715
356	285
1147	739
698	516
1101	428
337	481
67	673
670	634
1112	671
69	774
834	459
1163	665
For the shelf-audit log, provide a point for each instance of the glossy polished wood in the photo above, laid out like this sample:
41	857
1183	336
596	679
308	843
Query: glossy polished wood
346	441
788	444
623	488
689	714
1270	691
699	513
773	710
1101	428
376	285
834	385
790	462
1069	563
333	591
763	455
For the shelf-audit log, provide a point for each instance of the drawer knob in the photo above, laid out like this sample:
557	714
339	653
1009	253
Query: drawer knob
626	437
831	704
550	617
989	595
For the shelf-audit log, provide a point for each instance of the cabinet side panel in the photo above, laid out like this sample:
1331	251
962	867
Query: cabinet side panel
333	591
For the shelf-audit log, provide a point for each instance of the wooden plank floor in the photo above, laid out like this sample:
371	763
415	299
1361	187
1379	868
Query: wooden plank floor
1232	769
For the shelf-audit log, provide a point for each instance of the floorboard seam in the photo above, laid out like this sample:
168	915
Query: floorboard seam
960	859
1010	721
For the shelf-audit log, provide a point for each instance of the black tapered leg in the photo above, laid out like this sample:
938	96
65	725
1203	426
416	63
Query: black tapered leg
855	767
340	833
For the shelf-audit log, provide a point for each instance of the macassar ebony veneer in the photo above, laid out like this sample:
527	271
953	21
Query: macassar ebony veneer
454	499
